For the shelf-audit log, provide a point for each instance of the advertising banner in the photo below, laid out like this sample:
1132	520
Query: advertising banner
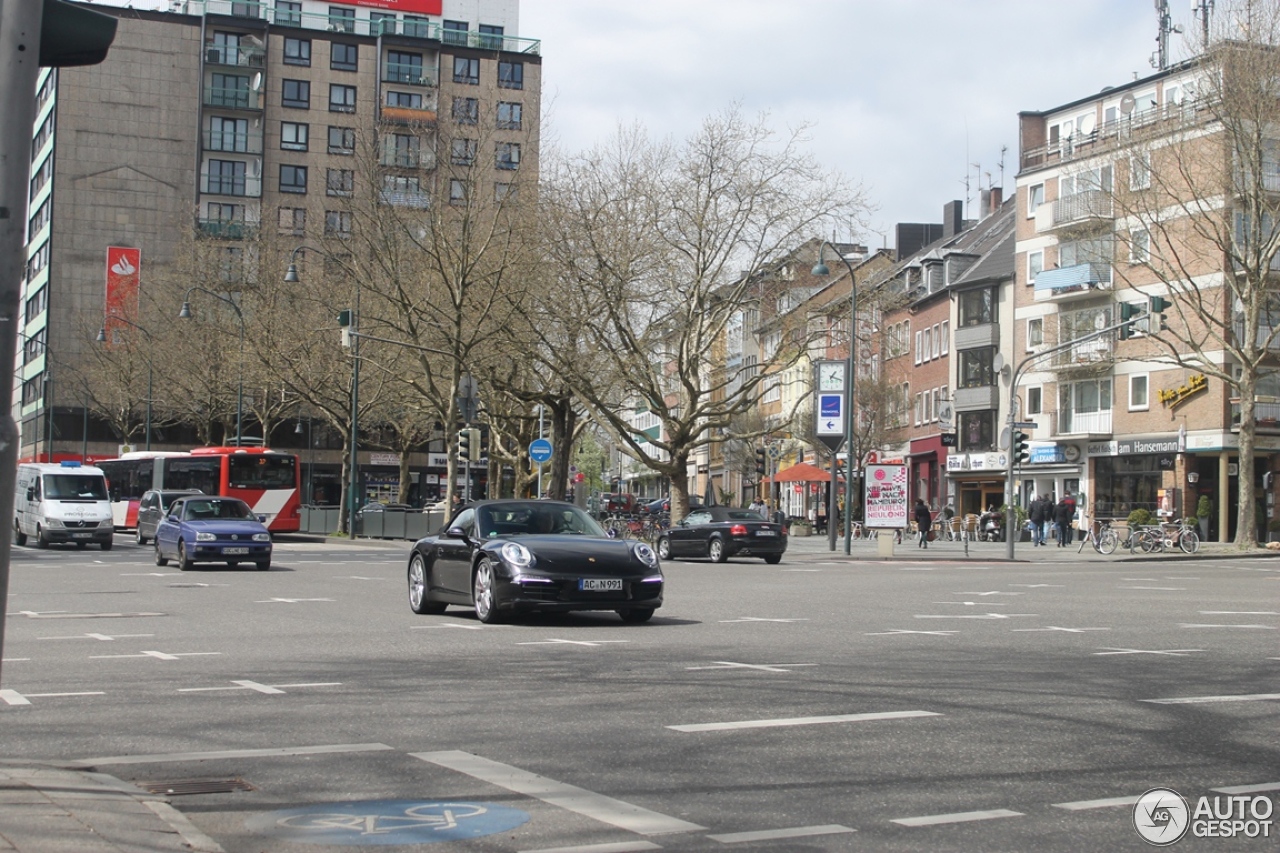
123	275
885	496
417	7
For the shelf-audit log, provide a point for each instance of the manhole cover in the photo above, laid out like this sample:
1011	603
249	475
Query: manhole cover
178	787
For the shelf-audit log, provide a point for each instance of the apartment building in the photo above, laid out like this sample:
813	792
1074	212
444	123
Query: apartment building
1109	216
232	117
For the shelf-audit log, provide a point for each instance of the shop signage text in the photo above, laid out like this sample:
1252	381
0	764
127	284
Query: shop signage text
1175	397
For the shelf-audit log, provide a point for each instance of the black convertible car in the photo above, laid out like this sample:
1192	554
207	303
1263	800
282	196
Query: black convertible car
721	532
505	557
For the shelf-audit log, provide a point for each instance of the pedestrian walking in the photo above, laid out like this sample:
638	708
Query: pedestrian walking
1063	514
1036	518
924	521
758	507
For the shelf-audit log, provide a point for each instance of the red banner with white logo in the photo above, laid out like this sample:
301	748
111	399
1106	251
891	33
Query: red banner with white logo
124	272
417	7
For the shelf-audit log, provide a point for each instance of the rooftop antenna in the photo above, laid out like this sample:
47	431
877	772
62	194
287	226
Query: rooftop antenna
1203	9
1160	61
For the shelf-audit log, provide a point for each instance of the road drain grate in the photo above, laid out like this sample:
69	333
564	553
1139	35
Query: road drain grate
178	787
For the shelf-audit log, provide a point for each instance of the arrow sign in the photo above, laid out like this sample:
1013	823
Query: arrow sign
830	414
540	450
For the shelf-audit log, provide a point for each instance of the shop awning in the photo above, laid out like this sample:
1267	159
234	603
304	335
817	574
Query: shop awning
802	472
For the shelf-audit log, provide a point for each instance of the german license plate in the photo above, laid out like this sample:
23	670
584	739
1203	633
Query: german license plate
235	550
600	584
766	533
81	535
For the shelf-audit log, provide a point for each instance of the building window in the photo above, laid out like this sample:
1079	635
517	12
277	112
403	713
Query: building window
462	152
342	140
36	304
337	223
342	99
293	135
403	67
510	75
228	134
928	344
1138	400
407	100
919	347
342	20
33	348
466	71
1035	266
507	156
339	182
976	368
229	261
296	93
457	192
977	307
293	179
937	341
293	220
1035	333
403	151
219	212
977	432
490	37
344	57
1035	400
1139	247
226	177
381	23
944	336
297	52
502	192
1085	406
229	90
454	32
1035	198
509	115
416	26
289	13
466	110
1140	171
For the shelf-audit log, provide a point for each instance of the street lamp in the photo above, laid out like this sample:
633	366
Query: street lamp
185	314
821	270
102	339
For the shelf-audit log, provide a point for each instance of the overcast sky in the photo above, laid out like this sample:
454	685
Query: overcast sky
908	97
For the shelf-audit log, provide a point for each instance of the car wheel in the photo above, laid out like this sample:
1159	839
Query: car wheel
418	601
41	542
773	559
264	565
19	537
636	614
142	540
184	561
161	559
483	595
664	548
106	546
716	550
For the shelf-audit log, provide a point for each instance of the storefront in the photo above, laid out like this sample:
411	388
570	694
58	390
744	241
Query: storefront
1051	471
977	480
1136	473
928	462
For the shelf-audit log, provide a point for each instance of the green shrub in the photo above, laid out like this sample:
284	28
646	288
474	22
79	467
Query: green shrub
1139	517
1204	509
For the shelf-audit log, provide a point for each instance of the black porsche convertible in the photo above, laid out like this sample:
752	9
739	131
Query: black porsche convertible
505	557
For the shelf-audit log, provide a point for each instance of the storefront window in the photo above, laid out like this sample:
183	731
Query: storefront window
1125	483
977	432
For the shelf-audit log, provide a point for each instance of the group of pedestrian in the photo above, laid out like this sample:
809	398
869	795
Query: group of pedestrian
1044	513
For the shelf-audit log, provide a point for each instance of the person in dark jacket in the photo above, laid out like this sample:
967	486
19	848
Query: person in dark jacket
924	521
1036	518
1063	514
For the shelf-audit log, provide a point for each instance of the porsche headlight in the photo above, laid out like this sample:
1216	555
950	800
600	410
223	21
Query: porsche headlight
206	537
645	554
517	556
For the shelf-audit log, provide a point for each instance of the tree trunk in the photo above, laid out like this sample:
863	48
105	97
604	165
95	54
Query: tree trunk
1246	515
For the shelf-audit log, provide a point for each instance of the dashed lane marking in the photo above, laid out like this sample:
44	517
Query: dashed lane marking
553	642
1204	700
1110	802
904	631
958	817
763	667
758	619
607	847
1244	627
778	834
598	807
101	637
157	655
13	697
979	616
175	757
1175	653
289	600
1056	628
1158	588
269	689
62	614
802	721
1236	790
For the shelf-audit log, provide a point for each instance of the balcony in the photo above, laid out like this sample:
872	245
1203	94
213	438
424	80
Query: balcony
1266	414
408	115
232	98
234	56
1092	206
1091	424
233	143
408	75
227	229
414	200
1089	356
1073	282
236	186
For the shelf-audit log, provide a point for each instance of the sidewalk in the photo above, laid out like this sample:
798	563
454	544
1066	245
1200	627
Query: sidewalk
45	808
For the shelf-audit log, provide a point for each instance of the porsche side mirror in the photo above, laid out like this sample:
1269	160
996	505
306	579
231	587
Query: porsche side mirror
456	533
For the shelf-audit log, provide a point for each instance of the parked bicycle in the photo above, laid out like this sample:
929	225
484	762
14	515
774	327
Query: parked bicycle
1103	539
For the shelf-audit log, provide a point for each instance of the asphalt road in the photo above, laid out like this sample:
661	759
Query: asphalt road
817	705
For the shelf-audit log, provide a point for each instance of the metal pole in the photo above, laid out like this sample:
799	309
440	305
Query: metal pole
831	504
354	485
48	404
149	402
540	410
84	432
240	390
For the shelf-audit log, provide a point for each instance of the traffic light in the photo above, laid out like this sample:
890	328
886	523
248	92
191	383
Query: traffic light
344	321
1129	314
762	463
71	34
464	445
1021	450
1158	305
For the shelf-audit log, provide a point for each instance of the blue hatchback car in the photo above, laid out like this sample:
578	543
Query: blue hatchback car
204	529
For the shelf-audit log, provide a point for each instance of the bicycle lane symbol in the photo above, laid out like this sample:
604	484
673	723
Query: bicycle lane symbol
373	822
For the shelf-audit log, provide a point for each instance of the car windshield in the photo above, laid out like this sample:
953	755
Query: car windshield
525	518
70	487
210	509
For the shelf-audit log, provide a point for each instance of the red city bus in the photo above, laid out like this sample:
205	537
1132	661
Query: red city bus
264	479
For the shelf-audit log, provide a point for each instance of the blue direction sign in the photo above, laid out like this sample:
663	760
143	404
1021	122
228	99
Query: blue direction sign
830	414
386	822
540	450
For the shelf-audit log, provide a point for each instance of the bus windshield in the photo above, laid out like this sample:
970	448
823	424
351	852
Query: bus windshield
261	472
71	487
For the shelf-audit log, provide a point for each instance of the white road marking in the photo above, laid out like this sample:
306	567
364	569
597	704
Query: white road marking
103	637
1039	585
156	655
802	721
454	625
62	614
194	838
358	578
1083	805
773	834
757	619
904	631
607	847
289	600
51	695
993	592
13	697
168	757
764	667
260	688
617	813
1239	613
1248	789
1056	628
1253	627
958	817
805	570
1197	700
14	660
1131	580
1158	588
1177	653
553	642
975	603
150	574
986	616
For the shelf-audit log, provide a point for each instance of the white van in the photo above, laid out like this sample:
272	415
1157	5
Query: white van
66	502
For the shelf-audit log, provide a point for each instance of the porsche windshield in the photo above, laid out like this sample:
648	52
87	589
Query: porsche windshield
526	518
